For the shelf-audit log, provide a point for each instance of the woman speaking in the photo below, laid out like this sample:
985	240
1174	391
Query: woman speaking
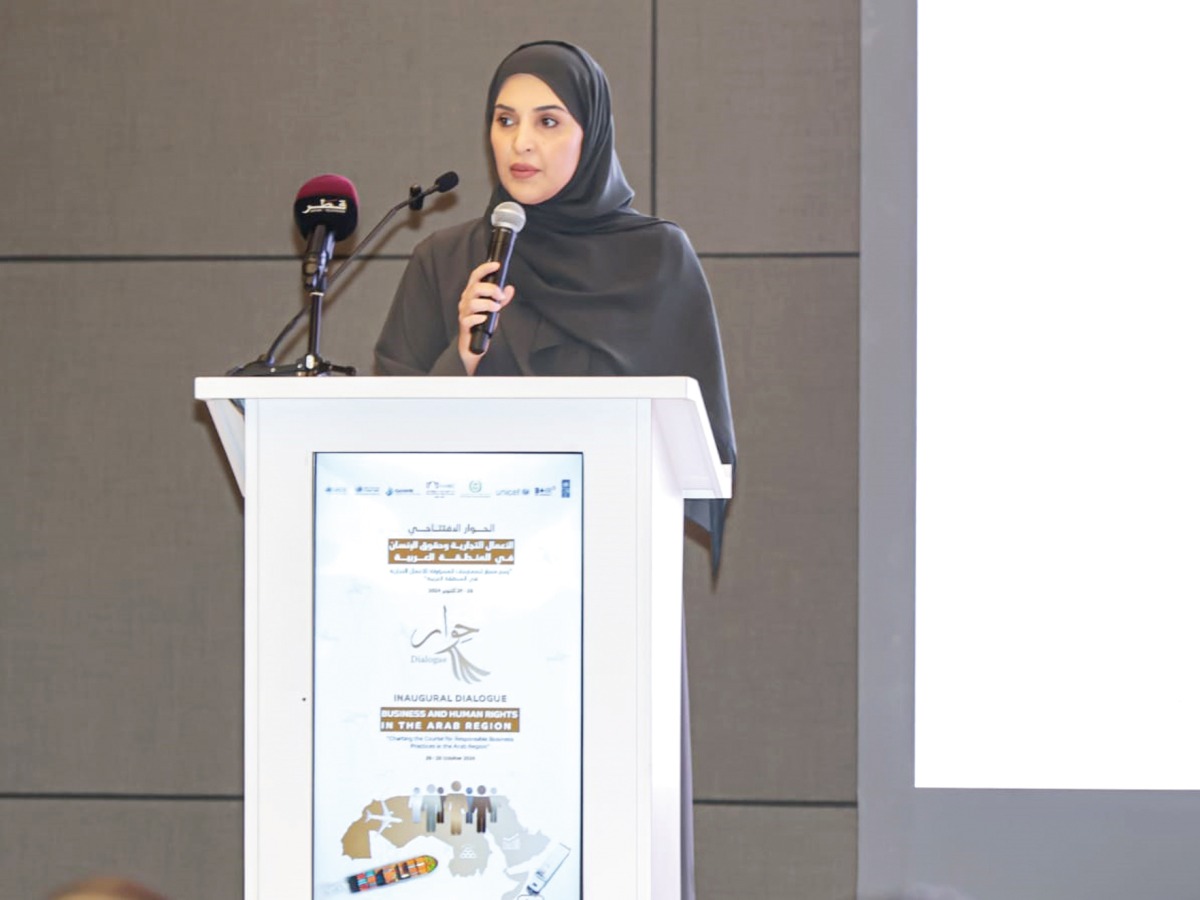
593	286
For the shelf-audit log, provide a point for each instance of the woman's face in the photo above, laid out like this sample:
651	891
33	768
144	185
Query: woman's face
535	140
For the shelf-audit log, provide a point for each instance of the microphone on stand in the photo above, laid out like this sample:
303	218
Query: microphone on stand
445	182
326	211
265	364
508	219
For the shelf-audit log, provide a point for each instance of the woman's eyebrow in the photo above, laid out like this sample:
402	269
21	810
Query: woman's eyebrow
550	107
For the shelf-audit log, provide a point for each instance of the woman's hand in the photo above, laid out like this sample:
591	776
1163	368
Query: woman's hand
477	300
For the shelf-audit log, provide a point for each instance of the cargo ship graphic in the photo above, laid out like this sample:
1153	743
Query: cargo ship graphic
392	873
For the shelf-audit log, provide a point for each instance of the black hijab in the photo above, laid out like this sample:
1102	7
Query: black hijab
597	197
597	272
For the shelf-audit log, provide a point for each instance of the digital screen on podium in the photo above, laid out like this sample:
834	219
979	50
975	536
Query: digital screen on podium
447	696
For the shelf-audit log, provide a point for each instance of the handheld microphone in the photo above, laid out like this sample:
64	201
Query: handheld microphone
508	219
326	211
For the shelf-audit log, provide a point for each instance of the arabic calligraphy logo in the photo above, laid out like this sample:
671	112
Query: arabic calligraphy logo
464	669
330	206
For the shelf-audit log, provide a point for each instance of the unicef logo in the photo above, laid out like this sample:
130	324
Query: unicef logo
476	486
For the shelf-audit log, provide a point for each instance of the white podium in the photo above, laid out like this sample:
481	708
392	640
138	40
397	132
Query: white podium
445	472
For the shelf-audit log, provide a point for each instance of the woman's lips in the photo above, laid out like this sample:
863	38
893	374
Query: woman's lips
522	171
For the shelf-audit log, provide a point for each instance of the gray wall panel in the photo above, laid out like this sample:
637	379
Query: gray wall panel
772	649
757	124
120	558
774	854
172	127
190	850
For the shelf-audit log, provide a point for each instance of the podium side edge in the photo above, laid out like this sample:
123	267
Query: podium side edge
231	428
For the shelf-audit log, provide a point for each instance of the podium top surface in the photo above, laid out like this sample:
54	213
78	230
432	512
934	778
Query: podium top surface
400	387
677	401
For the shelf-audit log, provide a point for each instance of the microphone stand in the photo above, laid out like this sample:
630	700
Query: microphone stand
317	283
312	363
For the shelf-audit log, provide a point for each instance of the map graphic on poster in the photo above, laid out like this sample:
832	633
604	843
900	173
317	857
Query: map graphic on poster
448	675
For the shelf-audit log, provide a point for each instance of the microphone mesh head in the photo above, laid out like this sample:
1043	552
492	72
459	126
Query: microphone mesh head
508	215
330	185
328	200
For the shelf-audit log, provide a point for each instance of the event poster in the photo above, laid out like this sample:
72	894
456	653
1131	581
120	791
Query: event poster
447	718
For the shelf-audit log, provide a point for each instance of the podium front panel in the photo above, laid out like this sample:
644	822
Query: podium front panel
631	518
